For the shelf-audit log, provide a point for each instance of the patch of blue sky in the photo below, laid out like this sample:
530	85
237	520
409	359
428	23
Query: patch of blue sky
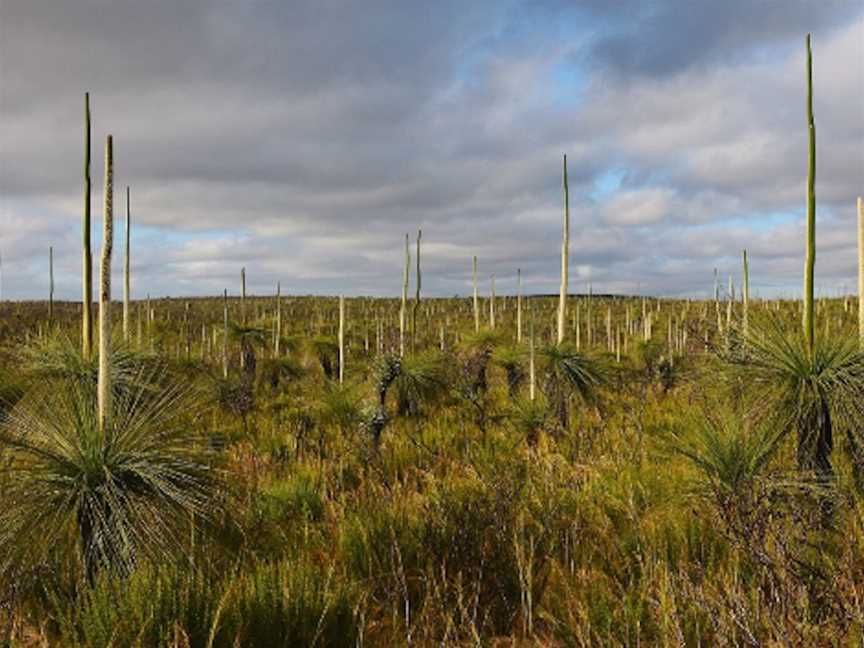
568	83
755	221
149	234
606	184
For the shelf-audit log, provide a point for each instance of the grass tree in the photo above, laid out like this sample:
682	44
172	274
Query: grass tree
248	338
812	385
386	369
511	359
569	375
118	491
113	473
421	379
326	350
730	454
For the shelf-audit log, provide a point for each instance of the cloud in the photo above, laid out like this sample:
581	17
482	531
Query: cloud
303	140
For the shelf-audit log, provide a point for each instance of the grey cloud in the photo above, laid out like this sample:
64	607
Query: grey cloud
302	140
658	39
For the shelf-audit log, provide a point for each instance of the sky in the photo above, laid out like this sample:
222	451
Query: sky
302	140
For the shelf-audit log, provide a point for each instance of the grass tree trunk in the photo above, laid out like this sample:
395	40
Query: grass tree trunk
87	257
126	272
104	378
476	300
403	308
810	259
565	252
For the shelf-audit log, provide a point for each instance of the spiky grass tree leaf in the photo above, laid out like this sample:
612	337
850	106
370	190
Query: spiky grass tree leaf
12	389
235	394
484	341
477	350
326	351
339	406
583	375
529	418
253	335
512	360
291	343
115	495
59	358
420	379
568	374
249	338
281	370
728	452
386	369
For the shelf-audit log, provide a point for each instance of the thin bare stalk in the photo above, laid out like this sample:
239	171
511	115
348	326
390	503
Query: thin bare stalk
746	292
492	304
126	272
565	251
341	339
404	306
532	373
518	306
243	295
861	271
50	284
476	299
810	260
224	334
104	377
87	257
416	308
277	342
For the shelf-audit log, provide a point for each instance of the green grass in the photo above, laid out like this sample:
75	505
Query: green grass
657	501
